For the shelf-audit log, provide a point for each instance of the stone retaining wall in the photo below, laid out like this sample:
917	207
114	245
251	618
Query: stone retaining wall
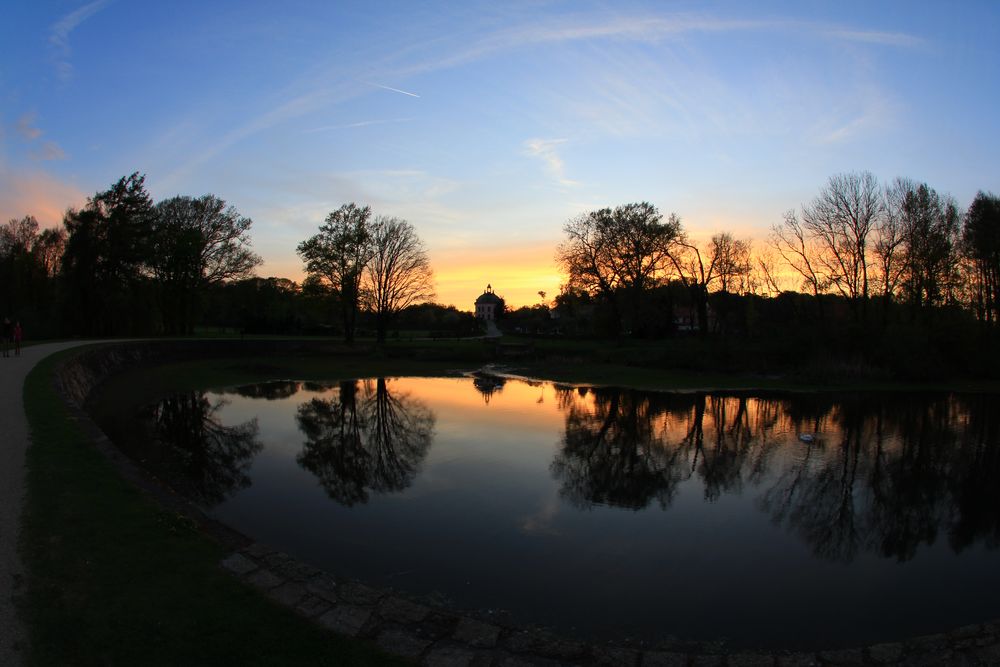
429	634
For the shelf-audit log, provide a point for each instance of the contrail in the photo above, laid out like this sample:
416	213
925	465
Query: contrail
395	90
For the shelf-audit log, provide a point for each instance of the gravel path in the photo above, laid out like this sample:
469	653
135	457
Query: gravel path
13	444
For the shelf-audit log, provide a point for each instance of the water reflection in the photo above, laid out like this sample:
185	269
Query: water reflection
271	391
212	459
487	385
615	511
365	439
885	476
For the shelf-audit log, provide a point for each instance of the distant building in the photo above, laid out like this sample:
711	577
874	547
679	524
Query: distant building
489	305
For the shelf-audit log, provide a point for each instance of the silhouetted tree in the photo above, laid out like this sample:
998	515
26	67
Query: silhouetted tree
981	243
107	252
196	243
611	253
930	229
337	256
397	272
890	238
365	440
841	220
27	261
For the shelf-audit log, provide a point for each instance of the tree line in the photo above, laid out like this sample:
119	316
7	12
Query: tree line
122	264
125	265
860	266
893	275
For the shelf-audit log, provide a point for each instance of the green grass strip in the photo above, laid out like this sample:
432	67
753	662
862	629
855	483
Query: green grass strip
112	579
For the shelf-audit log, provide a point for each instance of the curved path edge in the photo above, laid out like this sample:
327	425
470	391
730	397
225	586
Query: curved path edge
424	633
14	438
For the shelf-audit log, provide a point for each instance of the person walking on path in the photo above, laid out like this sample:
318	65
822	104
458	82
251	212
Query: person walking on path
18	335
6	333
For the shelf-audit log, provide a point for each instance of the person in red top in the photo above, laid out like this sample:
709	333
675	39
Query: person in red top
18	334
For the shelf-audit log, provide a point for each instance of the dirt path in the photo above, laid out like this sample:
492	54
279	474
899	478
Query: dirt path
13	445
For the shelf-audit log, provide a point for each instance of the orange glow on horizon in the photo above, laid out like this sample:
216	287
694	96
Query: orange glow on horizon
37	194
516	272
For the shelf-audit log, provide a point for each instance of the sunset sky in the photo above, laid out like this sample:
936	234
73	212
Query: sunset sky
488	125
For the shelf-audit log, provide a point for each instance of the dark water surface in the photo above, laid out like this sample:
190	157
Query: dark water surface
610	513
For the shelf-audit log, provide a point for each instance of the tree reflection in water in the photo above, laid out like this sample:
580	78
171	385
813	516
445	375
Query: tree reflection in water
271	391
212	459
364	440
885	476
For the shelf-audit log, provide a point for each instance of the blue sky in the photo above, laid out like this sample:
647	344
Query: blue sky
489	125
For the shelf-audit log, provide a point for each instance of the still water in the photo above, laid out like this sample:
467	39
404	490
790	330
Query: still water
800	521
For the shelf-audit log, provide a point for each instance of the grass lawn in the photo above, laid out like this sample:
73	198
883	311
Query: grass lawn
115	580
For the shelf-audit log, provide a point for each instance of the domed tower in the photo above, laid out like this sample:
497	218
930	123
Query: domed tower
489	305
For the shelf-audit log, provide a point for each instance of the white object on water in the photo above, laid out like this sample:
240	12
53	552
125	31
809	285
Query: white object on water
807	437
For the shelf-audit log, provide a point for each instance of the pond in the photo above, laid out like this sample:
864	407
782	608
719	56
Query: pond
779	520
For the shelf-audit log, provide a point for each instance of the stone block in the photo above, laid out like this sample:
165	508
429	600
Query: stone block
264	579
258	550
613	656
663	659
885	653
288	593
312	606
797	660
476	633
847	656
402	611
323	586
356	593
988	655
450	656
750	659
239	564
931	658
346	619
545	644
398	641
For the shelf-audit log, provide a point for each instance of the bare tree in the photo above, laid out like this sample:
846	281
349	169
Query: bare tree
889	239
840	220
764	277
397	273
695	274
731	258
792	241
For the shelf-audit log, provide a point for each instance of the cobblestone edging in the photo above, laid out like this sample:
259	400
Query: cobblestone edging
437	636
440	637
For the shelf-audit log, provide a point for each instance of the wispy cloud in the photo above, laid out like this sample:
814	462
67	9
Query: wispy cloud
642	28
545	150
26	127
49	150
61	30
871	112
897	39
362	123
395	90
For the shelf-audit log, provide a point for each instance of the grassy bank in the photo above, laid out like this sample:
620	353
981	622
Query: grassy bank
115	580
